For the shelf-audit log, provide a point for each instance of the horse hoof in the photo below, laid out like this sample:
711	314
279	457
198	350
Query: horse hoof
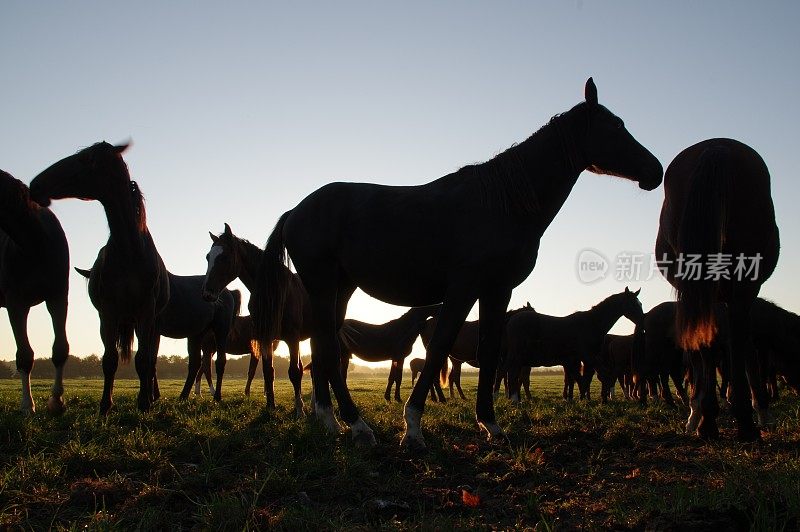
398	400
105	409
28	412
414	444
55	405
325	415
708	432
362	434
495	433
387	398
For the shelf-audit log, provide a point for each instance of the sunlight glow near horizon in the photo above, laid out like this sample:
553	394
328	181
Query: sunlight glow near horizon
237	114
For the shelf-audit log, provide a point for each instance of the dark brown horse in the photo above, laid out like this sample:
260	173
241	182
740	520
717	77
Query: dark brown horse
34	267
660	358
614	365
188	315
231	257
129	285
392	340
536	339
469	236
416	365
240	342
464	349
717	213
776	335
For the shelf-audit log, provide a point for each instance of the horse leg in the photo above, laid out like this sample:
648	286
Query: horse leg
58	314
666	393
492	309
455	308
398	378
205	369
193	348
757	378
526	381
458	384
329	294
437	387
18	316
709	405
221	331
108	334
698	393
387	395
296	376
269	374
251	373
742	353
147	337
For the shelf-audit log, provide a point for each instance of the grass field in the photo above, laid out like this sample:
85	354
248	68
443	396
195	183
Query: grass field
235	465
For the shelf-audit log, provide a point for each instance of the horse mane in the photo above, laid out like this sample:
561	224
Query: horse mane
139	210
504	179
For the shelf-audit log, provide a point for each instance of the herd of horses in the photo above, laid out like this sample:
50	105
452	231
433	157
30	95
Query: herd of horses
470	236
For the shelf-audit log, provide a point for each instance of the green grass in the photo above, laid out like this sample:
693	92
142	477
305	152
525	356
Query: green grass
235	465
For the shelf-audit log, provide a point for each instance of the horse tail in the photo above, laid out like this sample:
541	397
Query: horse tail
702	232
443	373
272	283
85	273
237	302
125	341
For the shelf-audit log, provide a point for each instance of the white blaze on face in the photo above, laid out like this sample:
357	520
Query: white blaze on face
215	252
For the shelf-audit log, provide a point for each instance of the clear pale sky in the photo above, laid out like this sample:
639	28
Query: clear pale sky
239	110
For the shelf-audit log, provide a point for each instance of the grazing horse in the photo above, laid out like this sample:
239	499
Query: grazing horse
392	340
129	285
188	315
231	257
540	340
469	236
34	267
717	243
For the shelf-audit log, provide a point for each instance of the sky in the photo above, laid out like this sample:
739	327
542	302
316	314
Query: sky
237	111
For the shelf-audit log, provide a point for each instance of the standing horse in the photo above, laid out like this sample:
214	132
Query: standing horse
34	267
389	341
129	285
188	316
416	365
661	358
240	342
470	236
540	340
717	214
231	257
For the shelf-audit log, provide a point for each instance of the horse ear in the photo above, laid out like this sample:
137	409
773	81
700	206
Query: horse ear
626	290
214	238
637	292
228	231
120	148
590	92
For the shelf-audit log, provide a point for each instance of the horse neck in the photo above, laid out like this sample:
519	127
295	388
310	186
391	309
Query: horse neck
605	314
125	233
554	163
250	259
532	180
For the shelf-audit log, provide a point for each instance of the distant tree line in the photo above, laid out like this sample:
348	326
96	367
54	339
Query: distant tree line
169	367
